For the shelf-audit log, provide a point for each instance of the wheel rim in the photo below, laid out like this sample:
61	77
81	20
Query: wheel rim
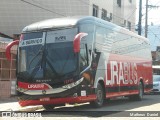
140	91
99	96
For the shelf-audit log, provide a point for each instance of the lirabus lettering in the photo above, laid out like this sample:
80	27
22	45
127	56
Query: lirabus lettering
121	73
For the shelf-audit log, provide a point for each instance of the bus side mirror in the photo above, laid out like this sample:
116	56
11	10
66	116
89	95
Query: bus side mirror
77	40
8	48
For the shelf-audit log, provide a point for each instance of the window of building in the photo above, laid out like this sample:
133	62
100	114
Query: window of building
124	23
130	1
119	3
95	10
16	36
104	14
111	16
129	25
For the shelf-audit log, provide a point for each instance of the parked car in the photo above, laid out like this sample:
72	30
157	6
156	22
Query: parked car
156	83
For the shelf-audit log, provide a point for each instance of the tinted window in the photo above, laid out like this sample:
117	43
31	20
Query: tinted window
61	57
28	36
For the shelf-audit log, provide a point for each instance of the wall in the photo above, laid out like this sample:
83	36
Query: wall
7	72
105	4
127	12
16	14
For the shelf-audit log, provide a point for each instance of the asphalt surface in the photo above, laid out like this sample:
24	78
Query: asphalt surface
122	107
119	109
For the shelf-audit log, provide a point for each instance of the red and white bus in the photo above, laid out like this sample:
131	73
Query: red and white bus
80	59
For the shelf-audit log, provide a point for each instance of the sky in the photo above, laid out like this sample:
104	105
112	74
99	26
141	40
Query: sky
153	13
153	22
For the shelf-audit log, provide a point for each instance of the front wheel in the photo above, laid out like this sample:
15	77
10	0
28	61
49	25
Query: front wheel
48	107
99	96
51	107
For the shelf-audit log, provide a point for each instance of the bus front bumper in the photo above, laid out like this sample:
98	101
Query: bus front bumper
57	101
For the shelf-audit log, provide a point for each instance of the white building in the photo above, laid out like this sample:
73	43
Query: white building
16	14
125	13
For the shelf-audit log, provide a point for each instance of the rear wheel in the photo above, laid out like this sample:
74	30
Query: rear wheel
51	107
140	93
99	96
139	96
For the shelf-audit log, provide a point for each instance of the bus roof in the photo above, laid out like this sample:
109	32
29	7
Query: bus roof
62	22
72	21
54	23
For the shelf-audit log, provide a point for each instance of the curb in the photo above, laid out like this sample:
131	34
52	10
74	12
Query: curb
26	109
30	108
11	104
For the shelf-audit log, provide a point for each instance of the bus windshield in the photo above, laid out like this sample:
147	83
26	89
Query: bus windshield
47	61
60	58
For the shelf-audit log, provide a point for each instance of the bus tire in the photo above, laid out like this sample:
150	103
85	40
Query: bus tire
139	96
48	107
51	107
99	96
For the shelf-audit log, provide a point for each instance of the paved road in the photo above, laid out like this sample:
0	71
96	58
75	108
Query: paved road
121	109
116	108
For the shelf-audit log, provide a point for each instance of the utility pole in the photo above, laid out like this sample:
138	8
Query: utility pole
146	20
140	17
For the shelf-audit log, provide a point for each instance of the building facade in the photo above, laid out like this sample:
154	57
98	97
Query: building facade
125	13
16	14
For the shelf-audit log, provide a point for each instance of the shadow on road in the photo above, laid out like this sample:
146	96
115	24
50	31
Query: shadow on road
110	108
8	100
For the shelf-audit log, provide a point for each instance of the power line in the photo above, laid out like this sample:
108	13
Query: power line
43	8
132	13
65	15
146	14
86	3
150	9
154	34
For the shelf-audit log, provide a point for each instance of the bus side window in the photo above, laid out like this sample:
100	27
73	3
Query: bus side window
95	59
83	57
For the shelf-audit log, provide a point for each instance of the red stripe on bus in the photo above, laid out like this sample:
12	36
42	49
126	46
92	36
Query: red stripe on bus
56	101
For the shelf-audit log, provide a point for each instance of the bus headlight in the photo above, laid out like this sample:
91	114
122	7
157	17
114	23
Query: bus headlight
71	85
21	90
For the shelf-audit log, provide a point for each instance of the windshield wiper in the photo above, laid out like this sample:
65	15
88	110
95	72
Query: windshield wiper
40	65
35	69
39	52
65	63
50	65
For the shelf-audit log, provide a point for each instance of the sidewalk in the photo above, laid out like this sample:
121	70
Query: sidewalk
11	104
